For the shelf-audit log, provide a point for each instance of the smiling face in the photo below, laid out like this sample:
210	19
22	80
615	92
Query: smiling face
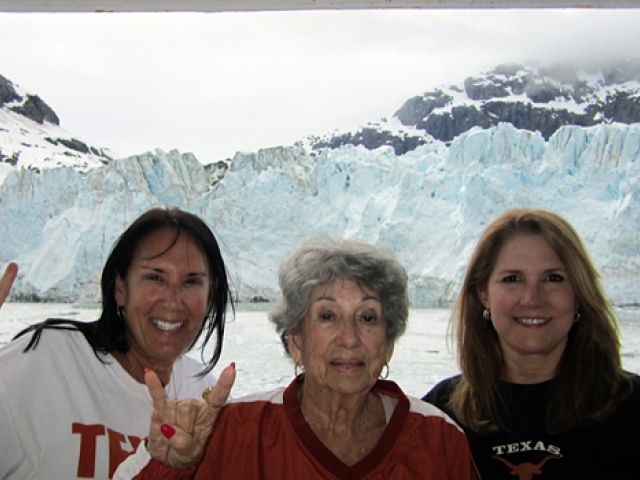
165	297
532	304
343	344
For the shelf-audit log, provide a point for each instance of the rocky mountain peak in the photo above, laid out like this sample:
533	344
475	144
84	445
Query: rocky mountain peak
529	97
31	136
30	106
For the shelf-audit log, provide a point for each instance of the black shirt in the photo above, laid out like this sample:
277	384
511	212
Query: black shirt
608	450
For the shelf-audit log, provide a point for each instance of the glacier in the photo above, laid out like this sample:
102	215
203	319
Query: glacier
429	206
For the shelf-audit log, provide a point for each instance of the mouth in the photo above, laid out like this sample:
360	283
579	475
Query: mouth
347	364
533	321
166	326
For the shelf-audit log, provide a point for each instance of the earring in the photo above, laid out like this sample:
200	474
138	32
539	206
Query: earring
486	314
386	374
298	370
120	312
576	317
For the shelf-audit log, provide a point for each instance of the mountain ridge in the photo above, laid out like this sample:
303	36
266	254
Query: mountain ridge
534	98
529	97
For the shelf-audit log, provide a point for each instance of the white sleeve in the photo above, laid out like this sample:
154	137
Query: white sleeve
133	464
13	455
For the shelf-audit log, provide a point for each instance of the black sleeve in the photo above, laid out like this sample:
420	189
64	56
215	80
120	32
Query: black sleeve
439	395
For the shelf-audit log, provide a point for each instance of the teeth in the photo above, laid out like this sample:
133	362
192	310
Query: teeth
347	365
167	326
533	321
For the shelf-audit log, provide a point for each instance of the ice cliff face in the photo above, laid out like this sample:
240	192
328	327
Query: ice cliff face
429	205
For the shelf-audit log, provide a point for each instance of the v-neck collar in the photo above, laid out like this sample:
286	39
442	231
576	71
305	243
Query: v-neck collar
324	456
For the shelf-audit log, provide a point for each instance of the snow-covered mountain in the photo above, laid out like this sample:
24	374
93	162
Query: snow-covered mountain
532	98
425	198
31	136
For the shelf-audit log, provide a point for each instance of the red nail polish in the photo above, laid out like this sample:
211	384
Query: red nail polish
233	364
167	430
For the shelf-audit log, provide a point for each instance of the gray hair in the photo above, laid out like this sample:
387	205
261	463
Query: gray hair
320	261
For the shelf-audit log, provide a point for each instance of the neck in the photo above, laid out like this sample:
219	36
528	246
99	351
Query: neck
348	425
136	367
530	371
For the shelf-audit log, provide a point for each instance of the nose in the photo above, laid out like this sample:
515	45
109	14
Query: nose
349	334
532	295
173	297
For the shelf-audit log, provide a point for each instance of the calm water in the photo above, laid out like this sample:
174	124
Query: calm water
422	356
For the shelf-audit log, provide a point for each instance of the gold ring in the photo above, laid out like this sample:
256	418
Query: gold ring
205	393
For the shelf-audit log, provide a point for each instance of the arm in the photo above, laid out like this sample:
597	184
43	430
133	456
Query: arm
178	432
6	281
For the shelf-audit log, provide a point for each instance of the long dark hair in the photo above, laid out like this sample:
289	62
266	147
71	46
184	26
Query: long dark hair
108	333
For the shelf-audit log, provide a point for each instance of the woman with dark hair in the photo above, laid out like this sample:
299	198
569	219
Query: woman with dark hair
542	390
73	403
343	306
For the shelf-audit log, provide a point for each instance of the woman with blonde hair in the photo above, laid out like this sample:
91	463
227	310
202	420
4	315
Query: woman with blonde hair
542	389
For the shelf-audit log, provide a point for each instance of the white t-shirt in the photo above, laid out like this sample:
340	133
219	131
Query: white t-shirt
64	414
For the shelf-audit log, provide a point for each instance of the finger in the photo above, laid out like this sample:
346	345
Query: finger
220	392
205	420
7	280
155	389
186	414
187	445
157	443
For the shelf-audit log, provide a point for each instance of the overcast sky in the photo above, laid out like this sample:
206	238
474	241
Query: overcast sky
216	83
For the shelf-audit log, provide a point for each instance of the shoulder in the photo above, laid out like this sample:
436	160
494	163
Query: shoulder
274	396
261	408
57	351
417	408
431	411
439	395
635	380
51	341
634	396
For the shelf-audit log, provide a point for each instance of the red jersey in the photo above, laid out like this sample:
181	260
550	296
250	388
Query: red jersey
266	437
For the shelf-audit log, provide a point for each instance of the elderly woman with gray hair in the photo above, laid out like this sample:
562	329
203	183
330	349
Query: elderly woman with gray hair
343	306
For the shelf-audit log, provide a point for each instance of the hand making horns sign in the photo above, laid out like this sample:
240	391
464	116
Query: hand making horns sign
179	429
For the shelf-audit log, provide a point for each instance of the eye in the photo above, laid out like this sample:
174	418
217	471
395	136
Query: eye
369	317
194	281
510	279
153	277
555	277
325	315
